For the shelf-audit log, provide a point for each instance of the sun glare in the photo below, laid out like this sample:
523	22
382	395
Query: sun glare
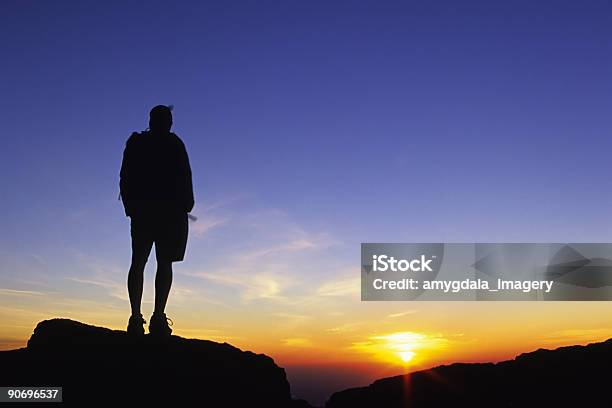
406	356
403	344
402	347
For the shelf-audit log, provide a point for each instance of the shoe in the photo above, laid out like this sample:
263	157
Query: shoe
136	325
158	325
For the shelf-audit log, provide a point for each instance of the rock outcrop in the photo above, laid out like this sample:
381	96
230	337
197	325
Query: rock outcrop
575	376
99	366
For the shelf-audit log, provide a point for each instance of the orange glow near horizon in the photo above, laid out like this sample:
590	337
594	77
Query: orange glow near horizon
376	339
354	344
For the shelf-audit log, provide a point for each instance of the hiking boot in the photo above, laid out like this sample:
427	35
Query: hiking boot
158	325
136	325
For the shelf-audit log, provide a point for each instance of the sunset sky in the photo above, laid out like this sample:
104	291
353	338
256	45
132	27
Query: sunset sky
311	127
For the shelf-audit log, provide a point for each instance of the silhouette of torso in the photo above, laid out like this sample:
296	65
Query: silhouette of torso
155	175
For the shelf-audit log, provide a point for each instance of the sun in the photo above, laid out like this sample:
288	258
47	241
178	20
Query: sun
406	349
406	356
404	344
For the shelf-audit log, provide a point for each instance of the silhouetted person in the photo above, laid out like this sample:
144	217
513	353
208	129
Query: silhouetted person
157	194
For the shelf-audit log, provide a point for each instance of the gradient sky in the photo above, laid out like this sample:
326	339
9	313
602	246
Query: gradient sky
311	126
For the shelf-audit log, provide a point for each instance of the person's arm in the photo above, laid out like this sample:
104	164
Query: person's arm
125	175
188	199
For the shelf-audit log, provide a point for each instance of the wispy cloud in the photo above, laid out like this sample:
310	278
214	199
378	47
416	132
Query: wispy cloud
348	327
118	289
212	215
578	335
291	321
115	289
401	314
18	292
205	224
253	285
297	342
296	245
221	203
347	286
39	259
267	265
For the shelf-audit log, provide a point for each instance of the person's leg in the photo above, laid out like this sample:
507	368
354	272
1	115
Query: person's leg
135	284
141	248
163	282
170	244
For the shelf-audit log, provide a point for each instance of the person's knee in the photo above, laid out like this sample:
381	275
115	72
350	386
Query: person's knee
138	264
164	268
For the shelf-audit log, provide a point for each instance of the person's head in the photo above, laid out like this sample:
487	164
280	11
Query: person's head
160	119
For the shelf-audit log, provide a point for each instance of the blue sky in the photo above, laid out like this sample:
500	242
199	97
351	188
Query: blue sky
311	127
382	121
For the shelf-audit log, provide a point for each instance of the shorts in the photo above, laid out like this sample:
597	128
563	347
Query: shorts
167	231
